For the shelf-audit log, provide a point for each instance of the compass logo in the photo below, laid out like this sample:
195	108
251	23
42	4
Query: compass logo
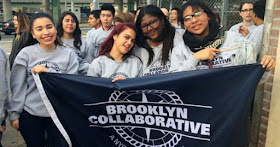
150	118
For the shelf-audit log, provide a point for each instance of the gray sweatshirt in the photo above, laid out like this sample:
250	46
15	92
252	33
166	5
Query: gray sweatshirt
24	92
89	34
96	39
83	54
256	36
237	51
156	66
3	83
106	67
235	28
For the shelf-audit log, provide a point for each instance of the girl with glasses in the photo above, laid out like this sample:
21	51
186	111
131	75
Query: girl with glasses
155	40
205	46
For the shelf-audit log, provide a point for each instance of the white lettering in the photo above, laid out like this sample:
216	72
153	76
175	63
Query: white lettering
170	110
102	119
160	121
121	109
160	110
194	127
131	109
152	110
142	109
205	129
129	119
170	123
93	119
111	109
139	119
150	120
181	113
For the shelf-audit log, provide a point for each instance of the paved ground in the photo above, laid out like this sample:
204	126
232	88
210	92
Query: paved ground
9	138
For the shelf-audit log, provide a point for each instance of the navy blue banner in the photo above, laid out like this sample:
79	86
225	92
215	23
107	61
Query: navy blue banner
203	108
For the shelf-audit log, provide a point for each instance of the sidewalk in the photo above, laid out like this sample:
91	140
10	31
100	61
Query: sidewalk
9	138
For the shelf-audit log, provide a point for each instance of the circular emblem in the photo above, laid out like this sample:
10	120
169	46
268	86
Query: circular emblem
141	136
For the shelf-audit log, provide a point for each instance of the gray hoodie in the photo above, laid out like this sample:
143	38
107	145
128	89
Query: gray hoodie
106	67
156	66
24	92
3	83
83	54
96	39
236	51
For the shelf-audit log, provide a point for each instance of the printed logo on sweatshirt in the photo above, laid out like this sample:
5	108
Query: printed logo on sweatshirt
157	67
218	61
50	65
118	74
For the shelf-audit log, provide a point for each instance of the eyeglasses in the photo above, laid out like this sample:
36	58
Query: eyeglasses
197	15
247	10
152	23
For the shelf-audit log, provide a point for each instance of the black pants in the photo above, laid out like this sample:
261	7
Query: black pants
40	131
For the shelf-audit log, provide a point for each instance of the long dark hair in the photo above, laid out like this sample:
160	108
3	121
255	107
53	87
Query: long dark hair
109	42
76	33
196	4
23	23
167	35
30	39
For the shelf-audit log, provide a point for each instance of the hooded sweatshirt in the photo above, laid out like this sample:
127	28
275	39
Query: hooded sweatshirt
3	83
25	95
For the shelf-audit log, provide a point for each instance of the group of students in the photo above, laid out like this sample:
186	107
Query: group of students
150	46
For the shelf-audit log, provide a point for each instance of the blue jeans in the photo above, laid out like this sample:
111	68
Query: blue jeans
34	130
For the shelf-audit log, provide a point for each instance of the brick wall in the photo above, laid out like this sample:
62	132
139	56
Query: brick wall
273	45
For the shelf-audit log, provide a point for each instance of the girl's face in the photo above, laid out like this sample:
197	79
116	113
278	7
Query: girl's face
196	21
124	41
92	21
151	26
15	22
44	32
174	15
68	24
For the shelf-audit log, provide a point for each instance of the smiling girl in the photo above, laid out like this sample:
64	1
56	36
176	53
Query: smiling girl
69	32
115	59
155	38
44	54
205	45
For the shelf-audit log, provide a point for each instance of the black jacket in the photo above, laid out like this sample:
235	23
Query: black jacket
17	46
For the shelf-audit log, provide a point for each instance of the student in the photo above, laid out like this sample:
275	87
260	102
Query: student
174	18
43	53
245	11
21	24
202	41
256	35
3	91
155	40
115	59
3	83
123	17
94	22
96	39
69	32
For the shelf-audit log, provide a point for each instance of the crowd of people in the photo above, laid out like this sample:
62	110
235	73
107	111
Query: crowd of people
129	45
